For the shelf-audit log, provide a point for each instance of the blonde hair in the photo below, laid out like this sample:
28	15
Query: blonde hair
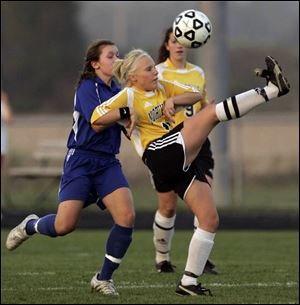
124	67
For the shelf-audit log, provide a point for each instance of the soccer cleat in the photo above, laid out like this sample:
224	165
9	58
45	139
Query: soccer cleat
192	290
273	73
103	287
18	234
165	267
209	268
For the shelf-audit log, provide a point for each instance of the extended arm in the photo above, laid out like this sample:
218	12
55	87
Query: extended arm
108	119
113	116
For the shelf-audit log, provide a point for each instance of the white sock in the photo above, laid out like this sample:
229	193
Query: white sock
163	231
199	250
238	105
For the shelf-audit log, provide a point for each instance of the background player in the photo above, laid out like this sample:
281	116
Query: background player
172	65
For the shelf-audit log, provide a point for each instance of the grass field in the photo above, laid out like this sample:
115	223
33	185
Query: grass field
256	267
272	196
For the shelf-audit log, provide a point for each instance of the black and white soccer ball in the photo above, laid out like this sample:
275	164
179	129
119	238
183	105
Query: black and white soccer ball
192	29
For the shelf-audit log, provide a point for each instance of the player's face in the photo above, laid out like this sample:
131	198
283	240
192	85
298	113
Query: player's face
108	56
145	76
177	51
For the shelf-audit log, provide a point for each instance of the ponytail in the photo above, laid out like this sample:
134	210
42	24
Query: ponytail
118	71
163	53
124	67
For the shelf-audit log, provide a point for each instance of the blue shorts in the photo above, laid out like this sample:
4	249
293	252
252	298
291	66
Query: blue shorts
89	177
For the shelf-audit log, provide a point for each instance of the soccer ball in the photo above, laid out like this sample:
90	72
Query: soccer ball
192	29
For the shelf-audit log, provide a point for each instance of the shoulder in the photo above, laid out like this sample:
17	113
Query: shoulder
124	93
167	83
115	85
86	84
196	68
163	83
161	67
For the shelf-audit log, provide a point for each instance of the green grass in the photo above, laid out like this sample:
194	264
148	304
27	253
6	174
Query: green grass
256	267
272	196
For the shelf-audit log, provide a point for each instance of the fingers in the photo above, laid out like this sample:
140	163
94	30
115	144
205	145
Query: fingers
169	114
131	124
130	129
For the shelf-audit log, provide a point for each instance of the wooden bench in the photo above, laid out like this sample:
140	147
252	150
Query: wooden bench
47	156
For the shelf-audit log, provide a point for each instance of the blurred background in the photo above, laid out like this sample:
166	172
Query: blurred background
42	49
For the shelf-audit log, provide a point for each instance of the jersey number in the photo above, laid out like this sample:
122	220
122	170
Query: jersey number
166	125
189	111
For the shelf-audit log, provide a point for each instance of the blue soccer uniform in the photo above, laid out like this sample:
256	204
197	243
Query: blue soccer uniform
91	169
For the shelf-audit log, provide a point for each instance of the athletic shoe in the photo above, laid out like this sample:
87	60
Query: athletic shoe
209	268
193	290
165	267
18	234
273	73
103	287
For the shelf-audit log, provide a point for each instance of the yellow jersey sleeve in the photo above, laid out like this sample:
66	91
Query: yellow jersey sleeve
117	101
173	88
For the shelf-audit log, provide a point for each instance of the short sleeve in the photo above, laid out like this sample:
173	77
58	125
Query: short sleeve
87	99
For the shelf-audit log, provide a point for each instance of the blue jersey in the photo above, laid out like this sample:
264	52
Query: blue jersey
88	96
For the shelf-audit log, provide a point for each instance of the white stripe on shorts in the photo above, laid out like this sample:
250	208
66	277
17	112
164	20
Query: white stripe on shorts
187	189
174	138
164	142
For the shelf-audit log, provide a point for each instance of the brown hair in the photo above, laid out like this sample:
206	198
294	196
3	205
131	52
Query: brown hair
163	53
93	53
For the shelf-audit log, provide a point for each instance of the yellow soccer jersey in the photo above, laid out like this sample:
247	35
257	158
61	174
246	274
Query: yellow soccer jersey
192	76
148	106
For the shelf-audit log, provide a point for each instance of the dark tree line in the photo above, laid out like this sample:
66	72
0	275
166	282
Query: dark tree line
42	51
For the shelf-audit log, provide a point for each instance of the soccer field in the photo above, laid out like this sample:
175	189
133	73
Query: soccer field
256	267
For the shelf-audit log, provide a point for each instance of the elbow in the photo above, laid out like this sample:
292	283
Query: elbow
97	128
199	96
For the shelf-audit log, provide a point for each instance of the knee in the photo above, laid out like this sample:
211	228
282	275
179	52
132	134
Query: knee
127	219
210	224
167	211
64	228
167	208
214	222
131	218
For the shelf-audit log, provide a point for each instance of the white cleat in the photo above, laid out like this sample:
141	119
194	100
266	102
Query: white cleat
103	287
18	234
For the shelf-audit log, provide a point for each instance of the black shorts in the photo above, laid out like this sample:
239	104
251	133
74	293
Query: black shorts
204	159
165	157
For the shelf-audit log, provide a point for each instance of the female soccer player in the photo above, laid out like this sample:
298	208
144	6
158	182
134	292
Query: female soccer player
169	153
91	171
174	67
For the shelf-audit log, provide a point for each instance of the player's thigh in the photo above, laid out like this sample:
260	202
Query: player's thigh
199	199
120	205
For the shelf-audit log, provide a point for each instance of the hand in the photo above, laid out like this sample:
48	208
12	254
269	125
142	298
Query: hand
169	110
132	122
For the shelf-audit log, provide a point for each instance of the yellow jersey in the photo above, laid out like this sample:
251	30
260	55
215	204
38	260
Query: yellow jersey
191	75
148	106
